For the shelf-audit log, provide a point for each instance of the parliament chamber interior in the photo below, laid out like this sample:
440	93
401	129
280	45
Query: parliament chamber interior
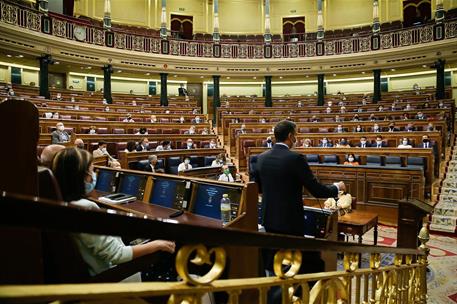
217	151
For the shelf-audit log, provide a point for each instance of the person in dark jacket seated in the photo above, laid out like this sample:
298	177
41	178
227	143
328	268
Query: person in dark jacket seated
379	143
144	145
325	143
363	143
153	165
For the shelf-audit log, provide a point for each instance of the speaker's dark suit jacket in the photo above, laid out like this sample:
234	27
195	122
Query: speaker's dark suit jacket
281	175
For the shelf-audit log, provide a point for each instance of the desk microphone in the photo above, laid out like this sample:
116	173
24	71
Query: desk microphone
176	214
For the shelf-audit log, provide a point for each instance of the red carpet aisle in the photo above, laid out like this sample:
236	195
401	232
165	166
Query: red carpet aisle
442	279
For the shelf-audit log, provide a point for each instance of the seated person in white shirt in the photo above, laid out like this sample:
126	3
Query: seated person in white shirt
226	176
142	131
101	151
128	118
153	119
404	144
219	161
164	146
212	144
205	131
268	143
73	170
185	165
191	130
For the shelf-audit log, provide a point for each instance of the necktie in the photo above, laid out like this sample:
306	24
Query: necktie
187	167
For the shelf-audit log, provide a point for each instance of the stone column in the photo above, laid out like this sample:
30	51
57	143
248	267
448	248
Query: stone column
440	89
376	25
107	71
42	6
320	21
268	98
267	34
376	85
216	97
163	20
320	89
216	34
163	89
44	75
439	12
107	15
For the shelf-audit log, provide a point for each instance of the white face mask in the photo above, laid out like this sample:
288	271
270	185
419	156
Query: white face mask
189	144
358	129
405	142
351	159
61	128
186	161
181	119
379	142
104	150
324	141
363	141
376	127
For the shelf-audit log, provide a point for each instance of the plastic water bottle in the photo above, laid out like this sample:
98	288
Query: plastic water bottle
225	209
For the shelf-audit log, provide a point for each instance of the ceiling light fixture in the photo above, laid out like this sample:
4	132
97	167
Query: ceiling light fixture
393	70
147	74
228	77
20	56
9	56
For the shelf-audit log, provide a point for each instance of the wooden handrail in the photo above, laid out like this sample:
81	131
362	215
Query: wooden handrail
33	212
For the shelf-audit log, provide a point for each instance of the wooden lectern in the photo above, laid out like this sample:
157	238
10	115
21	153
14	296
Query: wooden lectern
410	215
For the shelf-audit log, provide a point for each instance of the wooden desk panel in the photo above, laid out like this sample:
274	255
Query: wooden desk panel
127	157
45	138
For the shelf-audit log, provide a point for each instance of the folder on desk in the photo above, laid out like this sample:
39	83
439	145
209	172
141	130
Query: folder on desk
117	198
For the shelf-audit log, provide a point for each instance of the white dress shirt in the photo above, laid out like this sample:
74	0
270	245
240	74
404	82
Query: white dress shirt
184	167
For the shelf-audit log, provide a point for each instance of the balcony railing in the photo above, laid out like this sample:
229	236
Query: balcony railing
82	31
402	282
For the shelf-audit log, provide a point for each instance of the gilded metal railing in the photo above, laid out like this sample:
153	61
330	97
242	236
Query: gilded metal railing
82	31
404	281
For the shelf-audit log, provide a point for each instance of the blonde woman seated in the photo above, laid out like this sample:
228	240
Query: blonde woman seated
307	143
351	161
73	170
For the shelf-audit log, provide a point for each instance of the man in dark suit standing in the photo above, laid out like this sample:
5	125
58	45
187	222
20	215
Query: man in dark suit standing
281	175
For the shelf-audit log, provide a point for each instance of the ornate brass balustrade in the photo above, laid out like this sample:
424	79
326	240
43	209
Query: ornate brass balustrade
402	282
64	27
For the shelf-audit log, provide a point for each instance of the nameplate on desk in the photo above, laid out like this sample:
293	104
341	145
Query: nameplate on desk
117	198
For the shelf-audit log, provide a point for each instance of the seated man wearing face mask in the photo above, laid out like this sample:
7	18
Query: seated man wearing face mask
325	143
379	143
144	145
190	144
185	165
79	143
358	129
226	176
60	135
363	143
